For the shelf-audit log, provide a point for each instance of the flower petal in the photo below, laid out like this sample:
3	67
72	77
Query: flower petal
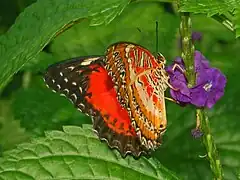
198	96
178	81
180	97
200	62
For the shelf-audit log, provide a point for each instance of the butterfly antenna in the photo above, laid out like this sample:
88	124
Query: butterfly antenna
156	36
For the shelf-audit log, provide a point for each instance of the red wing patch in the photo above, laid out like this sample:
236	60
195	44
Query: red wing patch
87	84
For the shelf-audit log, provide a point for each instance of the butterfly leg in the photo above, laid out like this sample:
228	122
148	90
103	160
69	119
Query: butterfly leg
177	66
172	100
170	86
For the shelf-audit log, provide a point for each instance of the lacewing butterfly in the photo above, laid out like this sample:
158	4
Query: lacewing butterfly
122	91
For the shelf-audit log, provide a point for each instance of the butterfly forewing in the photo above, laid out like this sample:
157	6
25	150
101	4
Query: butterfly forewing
140	81
70	79
87	84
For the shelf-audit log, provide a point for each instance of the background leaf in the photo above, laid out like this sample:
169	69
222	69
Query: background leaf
75	154
38	20
237	20
210	7
224	11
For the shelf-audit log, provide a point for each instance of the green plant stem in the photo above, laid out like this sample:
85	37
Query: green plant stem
187	47
210	146
202	119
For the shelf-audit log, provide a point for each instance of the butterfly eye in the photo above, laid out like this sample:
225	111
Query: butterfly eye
161	126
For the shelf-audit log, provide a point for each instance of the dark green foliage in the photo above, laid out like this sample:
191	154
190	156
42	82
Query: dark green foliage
76	154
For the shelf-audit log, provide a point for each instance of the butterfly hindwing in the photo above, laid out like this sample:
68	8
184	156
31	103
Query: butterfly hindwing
140	81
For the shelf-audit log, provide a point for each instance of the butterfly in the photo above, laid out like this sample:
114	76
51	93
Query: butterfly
123	92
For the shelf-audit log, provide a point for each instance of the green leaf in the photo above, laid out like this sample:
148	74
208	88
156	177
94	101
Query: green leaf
237	22
75	153
43	20
40	62
210	7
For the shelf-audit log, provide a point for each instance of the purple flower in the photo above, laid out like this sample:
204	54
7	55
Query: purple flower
210	88
200	62
196	36
179	81
210	83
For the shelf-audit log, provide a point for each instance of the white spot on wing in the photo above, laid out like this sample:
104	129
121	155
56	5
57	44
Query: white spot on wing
74	97
66	80
81	105
66	90
89	60
80	89
71	67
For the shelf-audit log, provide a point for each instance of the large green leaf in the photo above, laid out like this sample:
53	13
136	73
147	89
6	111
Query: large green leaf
237	22
43	20
230	8
210	7
75	153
